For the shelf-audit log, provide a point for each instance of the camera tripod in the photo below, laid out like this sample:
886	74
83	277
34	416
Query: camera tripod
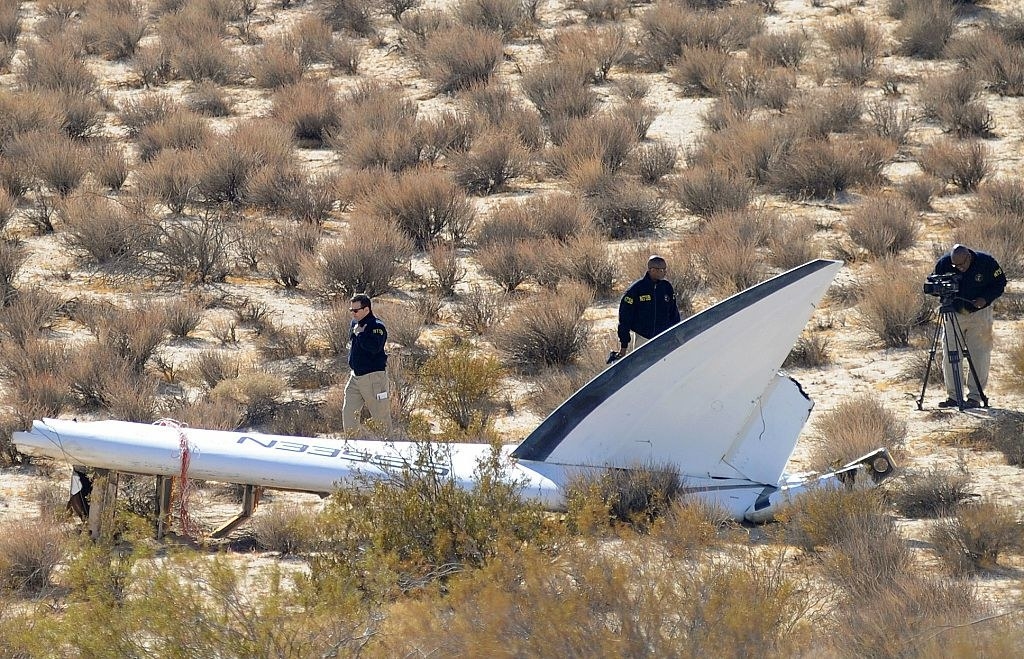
947	317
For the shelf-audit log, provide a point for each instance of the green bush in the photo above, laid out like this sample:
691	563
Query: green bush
461	386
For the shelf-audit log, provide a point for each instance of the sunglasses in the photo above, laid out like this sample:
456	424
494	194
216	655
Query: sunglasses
357	309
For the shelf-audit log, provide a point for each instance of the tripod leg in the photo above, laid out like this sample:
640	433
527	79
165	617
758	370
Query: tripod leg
953	373
931	358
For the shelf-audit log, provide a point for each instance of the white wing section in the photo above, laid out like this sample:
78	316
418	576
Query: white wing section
694	396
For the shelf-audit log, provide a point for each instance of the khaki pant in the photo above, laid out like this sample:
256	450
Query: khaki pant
370	390
637	342
976	329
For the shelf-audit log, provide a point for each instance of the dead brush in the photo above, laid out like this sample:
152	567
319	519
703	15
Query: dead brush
691	526
403	321
824	517
547	329
504	17
811	350
180	130
788	48
791	242
884	225
509	264
704	72
284	528
30	551
495	159
705	191
444	263
891	304
931	492
972	539
28	313
603	47
729	248
368	259
965	164
856	426
1000	233
461	56
425	204
655	161
276	65
478	310
920	189
310	110
925	28
1004	434
606	138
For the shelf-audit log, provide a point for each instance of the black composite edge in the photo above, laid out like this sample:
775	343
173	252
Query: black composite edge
550	433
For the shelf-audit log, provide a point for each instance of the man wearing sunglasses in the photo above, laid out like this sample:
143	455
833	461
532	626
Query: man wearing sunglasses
368	383
648	307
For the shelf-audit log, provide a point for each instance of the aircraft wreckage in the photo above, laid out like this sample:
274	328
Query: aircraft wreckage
704	397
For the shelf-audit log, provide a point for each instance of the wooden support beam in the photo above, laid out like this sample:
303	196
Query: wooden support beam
102	503
250	496
164	485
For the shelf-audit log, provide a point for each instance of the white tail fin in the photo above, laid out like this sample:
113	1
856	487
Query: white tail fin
704	395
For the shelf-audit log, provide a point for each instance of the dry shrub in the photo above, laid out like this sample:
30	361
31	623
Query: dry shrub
259	394
508	264
891	122
355	16
829	517
703	72
30	551
855	427
10	23
278	341
444	262
345	55
208	368
932	492
113	28
230	163
109	165
884	226
788	48
182	315
290	252
831	110
459	57
425	204
397	8
38	375
403	322
447	133
1002	66
691	526
1005	434
925	28
171	178
7	207
791	242
104	230
478	309
152	64
965	164
607	139
822	169
601	48
706	190
953	101
368	259
920	189
195	46
559	91
655	161
54	159
855	45
276	65
284	528
972	539
623	207
12	258
494	159
586	258
131	334
462	387
180	129
547	329
666	29
27	312
749	148
310	109
727	248
635	496
56	65
810	351
191	249
496	105
137	113
506	17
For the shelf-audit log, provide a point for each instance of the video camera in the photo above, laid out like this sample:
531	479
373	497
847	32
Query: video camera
942	286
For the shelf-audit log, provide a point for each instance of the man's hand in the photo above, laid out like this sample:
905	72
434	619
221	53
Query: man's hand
979	302
622	352
358	328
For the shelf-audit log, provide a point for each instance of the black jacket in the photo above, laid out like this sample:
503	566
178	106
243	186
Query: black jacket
648	308
984	278
367	352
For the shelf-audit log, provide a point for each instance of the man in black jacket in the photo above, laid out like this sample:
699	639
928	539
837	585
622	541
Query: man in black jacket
648	306
368	383
981	282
